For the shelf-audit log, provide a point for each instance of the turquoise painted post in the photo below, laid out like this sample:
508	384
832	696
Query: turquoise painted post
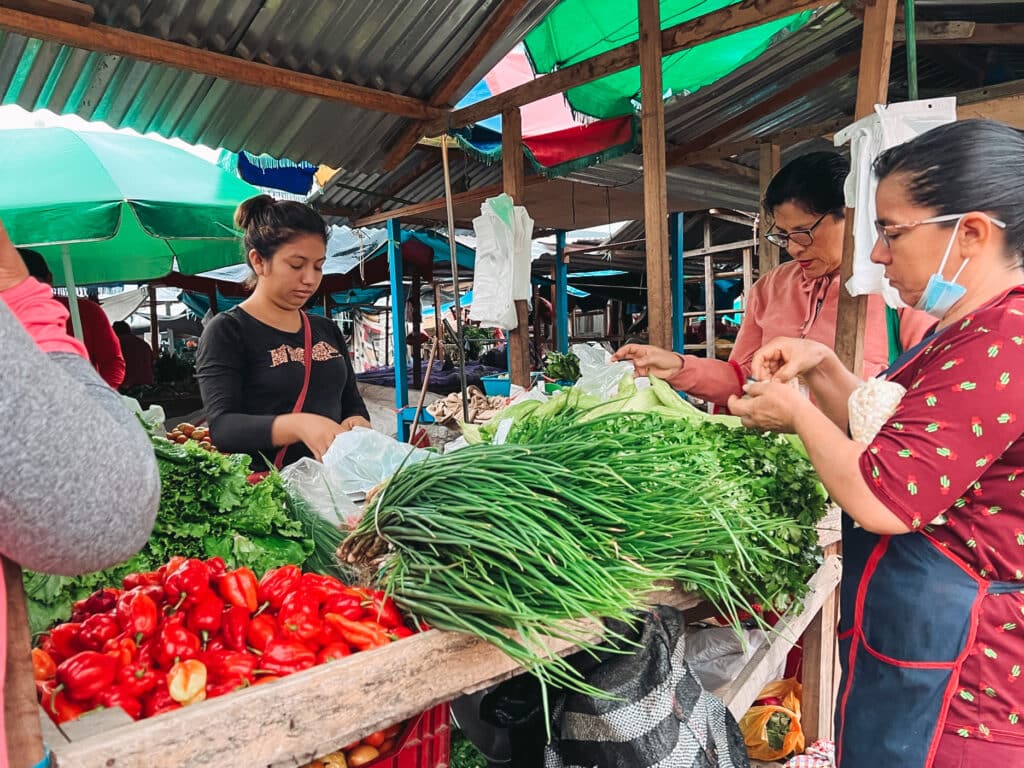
398	323
561	294
675	246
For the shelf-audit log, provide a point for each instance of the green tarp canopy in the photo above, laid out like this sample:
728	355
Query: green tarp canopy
576	30
124	206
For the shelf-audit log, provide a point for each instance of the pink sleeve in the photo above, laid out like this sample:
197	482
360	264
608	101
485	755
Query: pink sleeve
43	317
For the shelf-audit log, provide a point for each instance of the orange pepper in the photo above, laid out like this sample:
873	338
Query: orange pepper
43	666
186	682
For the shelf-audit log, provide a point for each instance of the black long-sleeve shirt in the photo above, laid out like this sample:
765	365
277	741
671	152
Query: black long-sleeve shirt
249	373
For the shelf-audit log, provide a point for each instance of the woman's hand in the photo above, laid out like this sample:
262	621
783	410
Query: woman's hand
783	359
770	406
317	432
354	421
650	361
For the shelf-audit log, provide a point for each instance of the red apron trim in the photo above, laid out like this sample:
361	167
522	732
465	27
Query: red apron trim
907	664
845	635
307	362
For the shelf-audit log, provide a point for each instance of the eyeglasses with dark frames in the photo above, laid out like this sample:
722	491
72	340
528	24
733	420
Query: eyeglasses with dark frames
802	237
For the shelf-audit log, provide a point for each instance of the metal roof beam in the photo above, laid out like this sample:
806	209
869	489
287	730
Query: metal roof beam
121	42
710	26
495	27
797	90
963	33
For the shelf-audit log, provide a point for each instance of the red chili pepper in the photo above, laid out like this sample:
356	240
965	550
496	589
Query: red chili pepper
216	644
57	705
137	679
186	681
175	643
219	689
204	616
116	697
216	566
234	626
239	587
346	604
230	666
299	618
63	641
43	665
123	650
384	611
262	630
102	600
321	587
156	594
160	702
85	675
361	635
277	584
187	583
137	614
97	630
145	579
399	632
286	657
332	652
170	567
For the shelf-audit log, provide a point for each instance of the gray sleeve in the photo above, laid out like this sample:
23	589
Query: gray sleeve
79	485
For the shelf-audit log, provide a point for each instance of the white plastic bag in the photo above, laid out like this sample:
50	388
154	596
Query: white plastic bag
598	374
312	481
501	273
717	655
361	459
154	416
868	138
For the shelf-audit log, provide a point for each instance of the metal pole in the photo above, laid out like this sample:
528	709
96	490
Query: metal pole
561	294
675	244
154	323
911	44
455	276
69	282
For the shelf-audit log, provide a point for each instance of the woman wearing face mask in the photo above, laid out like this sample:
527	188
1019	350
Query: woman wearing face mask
799	298
932	630
276	382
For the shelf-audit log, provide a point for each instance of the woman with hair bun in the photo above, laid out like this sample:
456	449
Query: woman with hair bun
932	599
276	382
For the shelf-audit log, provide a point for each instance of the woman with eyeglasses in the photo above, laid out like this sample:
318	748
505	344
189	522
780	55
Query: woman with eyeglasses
799	298
932	602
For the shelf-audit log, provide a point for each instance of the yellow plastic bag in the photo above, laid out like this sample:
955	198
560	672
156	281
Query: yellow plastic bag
755	723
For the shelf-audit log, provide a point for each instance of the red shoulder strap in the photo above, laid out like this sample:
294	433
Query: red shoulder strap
307	362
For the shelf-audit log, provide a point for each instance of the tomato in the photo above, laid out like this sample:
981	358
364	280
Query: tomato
375	739
362	755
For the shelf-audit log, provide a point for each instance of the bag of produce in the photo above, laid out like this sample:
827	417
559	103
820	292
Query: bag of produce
771	728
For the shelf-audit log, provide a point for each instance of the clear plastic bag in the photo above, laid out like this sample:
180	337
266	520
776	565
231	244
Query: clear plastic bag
313	482
598	374
361	459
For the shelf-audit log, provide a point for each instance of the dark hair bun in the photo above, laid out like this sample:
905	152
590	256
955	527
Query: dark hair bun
253	211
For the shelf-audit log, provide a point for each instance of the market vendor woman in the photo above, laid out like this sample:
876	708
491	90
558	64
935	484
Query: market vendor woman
800	298
276	382
932	632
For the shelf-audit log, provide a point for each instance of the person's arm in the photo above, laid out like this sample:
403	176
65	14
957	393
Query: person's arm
42	316
79	486
220	364
104	347
831	385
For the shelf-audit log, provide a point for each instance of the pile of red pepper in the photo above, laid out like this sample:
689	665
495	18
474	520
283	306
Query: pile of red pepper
192	630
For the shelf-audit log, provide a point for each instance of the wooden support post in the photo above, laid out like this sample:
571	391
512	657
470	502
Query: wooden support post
675	240
21	710
561	303
820	672
652	118
512	179
154	328
767	254
417	320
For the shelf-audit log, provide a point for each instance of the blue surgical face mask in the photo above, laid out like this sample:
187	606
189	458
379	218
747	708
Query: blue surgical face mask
941	294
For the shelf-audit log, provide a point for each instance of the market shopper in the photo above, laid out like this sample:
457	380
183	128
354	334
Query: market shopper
276	382
99	337
799	298
932	634
138	357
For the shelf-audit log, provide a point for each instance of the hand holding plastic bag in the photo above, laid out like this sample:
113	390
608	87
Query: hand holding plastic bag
599	376
361	459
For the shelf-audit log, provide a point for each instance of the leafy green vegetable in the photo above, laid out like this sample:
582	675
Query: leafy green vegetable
562	367
207	509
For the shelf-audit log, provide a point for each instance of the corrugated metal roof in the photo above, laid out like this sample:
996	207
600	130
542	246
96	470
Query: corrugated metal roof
402	47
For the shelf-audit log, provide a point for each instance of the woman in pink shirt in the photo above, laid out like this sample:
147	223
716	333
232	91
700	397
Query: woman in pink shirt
797	299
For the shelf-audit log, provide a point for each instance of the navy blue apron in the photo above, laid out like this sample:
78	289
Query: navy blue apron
907	622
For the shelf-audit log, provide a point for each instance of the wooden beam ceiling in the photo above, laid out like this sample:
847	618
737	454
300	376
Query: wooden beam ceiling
706	28
764	108
963	33
499	21
120	42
